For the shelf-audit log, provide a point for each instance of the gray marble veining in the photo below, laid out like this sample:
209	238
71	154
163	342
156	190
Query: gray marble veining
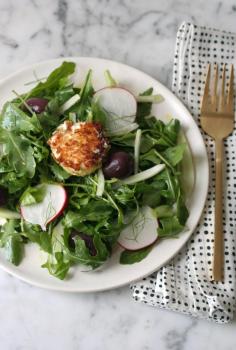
142	34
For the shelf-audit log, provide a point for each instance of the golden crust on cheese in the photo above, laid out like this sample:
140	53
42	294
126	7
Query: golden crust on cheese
79	147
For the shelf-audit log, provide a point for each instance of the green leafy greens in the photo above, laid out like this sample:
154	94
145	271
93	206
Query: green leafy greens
96	221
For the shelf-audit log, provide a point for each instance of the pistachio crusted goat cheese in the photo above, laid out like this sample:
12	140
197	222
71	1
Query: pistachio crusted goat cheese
79	148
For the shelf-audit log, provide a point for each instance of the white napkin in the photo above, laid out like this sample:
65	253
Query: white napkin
184	284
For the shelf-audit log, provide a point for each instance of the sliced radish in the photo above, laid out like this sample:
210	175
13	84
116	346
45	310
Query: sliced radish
50	208
143	175
8	214
141	232
120	105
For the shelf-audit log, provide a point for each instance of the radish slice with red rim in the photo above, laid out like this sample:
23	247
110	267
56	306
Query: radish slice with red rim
52	205
141	232
120	106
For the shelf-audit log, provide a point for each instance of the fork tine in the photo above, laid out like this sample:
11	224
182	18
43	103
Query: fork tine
222	96
206	89
230	97
214	97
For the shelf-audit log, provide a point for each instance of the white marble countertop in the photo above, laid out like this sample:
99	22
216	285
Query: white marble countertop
142	34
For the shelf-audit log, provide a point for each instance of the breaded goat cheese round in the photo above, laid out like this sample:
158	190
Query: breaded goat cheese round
79	148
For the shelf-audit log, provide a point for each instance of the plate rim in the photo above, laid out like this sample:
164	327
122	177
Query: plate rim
178	102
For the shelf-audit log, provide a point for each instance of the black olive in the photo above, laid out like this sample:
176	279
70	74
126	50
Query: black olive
119	164
37	104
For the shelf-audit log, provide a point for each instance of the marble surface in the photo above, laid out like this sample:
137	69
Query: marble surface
142	34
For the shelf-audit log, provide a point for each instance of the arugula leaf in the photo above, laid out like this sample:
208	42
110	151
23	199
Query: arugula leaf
33	195
11	240
54	80
128	257
171	190
18	152
150	156
96	210
169	227
59	173
181	210
174	155
85	101
58	262
98	113
83	255
40	151
144	108
35	234
57	267
163	135
14	119
12	182
124	194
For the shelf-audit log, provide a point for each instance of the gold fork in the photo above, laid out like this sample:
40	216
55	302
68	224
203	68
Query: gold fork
217	120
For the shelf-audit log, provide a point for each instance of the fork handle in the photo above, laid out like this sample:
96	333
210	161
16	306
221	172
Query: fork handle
218	262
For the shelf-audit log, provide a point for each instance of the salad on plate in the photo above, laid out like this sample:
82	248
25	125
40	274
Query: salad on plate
83	171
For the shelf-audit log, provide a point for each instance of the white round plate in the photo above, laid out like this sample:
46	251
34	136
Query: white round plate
112	274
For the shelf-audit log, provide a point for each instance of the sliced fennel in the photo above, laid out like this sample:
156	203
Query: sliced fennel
122	130
143	175
101	183
69	103
137	143
150	98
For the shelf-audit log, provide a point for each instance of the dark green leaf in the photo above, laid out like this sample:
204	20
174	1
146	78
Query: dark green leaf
59	173
18	153
13	182
182	211
169	227
174	155
144	108
86	95
128	257
151	198
53	82
96	210
11	240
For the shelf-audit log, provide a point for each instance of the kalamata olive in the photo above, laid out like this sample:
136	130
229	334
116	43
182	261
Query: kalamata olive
3	196
119	164
37	104
88	240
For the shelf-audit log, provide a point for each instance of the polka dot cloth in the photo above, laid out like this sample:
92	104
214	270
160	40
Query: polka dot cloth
184	284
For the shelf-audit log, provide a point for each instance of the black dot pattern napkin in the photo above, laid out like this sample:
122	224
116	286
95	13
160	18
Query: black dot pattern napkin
184	284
